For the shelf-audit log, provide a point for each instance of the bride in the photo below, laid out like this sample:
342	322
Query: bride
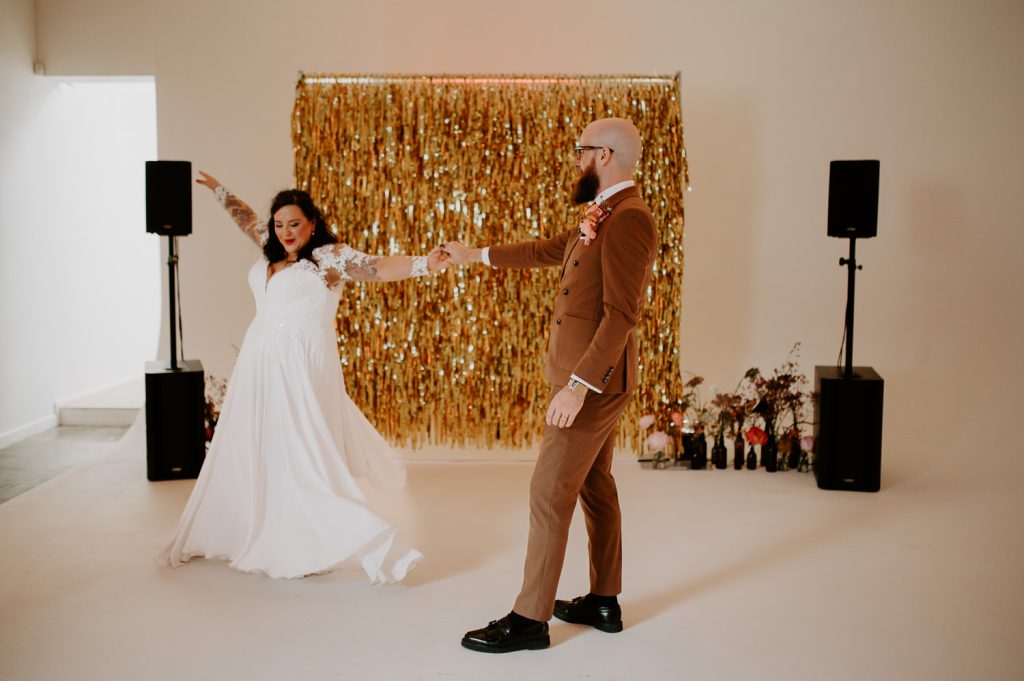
277	494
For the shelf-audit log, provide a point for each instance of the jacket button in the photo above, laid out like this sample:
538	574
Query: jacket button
565	291
558	321
575	263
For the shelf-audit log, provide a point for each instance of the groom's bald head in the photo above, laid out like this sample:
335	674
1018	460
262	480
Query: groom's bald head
617	134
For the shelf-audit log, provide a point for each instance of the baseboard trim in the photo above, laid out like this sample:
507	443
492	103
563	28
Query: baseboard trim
98	416
28	430
98	392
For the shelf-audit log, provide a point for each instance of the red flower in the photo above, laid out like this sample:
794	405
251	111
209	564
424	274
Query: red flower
756	436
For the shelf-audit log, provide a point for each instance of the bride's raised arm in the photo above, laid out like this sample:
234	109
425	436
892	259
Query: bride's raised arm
341	262
244	216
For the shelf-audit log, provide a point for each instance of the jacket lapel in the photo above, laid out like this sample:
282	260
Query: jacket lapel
616	199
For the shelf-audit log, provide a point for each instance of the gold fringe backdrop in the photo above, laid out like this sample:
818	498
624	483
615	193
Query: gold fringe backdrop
402	163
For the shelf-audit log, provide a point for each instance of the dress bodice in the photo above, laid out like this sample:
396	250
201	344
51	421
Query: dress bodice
296	297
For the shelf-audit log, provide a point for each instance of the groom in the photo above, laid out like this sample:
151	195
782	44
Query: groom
592	367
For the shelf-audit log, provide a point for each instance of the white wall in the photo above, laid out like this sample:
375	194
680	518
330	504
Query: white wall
771	92
79	278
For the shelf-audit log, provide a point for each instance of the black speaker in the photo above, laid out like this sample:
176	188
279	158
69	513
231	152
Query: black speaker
848	429
853	199
169	197
175	425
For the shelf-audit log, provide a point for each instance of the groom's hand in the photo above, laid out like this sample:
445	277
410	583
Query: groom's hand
461	255
565	405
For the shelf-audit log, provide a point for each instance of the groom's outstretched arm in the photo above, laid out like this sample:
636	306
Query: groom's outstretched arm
535	253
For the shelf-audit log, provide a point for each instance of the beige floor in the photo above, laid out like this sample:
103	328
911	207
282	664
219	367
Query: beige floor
729	575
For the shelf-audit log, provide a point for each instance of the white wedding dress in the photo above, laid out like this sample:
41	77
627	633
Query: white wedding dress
278	494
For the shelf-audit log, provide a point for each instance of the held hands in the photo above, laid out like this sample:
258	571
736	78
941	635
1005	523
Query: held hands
565	406
208	181
438	259
461	255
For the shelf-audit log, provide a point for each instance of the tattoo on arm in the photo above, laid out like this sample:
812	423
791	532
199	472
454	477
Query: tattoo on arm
246	219
341	262
363	269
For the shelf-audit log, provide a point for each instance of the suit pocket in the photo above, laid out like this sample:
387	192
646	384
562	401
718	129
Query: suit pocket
572	340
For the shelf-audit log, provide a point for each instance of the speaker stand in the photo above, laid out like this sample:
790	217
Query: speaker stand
851	276
172	263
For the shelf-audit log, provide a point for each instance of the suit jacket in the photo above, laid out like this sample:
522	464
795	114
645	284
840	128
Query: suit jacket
600	295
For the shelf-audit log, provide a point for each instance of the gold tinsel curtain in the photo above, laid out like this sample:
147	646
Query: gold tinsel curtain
402	163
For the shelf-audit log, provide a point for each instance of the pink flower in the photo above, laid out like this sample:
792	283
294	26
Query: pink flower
592	217
646	421
677	418
807	443
756	436
657	441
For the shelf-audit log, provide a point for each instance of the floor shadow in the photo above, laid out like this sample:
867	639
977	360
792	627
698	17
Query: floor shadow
644	609
474	524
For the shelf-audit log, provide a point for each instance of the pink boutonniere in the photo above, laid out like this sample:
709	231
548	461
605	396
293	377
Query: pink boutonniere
592	217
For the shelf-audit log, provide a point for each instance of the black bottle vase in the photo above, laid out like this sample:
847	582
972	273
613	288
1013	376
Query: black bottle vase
770	454
752	459
793	460
719	454
700	455
738	452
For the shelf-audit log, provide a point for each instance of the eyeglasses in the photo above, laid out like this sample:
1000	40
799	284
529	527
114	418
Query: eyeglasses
580	148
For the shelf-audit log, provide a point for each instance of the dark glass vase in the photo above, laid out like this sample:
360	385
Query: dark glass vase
700	454
770	454
793	460
738	452
752	459
719	454
689	445
769	430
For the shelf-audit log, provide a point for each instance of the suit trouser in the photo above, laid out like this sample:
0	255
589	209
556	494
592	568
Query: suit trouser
574	463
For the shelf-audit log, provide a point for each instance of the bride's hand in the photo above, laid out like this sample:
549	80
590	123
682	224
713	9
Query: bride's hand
207	181
438	259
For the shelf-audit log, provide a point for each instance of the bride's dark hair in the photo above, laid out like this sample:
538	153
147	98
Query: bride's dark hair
273	249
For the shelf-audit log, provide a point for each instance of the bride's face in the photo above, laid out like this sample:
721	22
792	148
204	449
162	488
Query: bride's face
293	229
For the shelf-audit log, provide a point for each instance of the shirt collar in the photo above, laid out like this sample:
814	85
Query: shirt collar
613	190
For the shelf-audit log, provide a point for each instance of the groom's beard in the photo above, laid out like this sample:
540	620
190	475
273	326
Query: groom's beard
585	190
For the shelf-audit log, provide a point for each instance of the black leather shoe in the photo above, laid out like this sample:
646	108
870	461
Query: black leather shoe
500	636
578	611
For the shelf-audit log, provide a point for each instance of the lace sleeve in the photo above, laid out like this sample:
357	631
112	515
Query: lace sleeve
244	216
419	266
341	262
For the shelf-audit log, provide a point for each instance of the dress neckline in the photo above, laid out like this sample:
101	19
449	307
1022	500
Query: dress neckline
271	273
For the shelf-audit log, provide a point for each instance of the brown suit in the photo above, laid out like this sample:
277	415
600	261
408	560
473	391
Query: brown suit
600	296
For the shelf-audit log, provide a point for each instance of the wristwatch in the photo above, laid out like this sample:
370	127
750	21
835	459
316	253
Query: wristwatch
572	385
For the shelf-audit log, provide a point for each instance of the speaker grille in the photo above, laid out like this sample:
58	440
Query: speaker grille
853	199
169	197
